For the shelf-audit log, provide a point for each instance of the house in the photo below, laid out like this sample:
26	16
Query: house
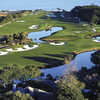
76	19
51	15
67	16
64	15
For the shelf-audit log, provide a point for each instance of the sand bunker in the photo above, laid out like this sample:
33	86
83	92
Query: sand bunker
33	27
53	43
3	53
21	21
25	48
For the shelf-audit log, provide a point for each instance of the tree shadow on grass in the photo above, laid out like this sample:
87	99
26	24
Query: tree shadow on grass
56	55
66	54
49	62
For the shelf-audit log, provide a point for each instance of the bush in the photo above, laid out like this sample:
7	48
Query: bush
15	96
15	72
69	90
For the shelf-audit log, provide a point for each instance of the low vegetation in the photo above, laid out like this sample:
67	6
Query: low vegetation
15	96
14	72
20	38
69	88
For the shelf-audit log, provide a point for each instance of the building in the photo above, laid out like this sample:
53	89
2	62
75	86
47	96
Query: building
64	15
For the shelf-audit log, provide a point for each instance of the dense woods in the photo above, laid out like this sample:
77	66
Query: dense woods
9	74
10	16
89	13
19	38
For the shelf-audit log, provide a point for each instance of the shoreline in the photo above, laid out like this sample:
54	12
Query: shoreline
75	53
86	50
47	40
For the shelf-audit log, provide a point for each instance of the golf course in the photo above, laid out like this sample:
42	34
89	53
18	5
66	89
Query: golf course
73	35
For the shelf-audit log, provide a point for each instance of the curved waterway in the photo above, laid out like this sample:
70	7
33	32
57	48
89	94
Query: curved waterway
36	36
82	59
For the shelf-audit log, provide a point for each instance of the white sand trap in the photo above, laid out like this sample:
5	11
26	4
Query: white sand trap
96	40
26	47
33	27
94	30
85	24
53	43
19	49
35	46
20	21
9	50
3	53
30	48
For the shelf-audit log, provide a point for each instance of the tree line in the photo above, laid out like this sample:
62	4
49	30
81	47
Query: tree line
8	74
90	13
11	16
19	38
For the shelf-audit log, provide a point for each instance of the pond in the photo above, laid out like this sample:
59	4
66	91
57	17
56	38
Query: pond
82	59
36	36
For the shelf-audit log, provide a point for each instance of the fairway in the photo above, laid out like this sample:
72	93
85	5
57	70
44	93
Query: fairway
73	34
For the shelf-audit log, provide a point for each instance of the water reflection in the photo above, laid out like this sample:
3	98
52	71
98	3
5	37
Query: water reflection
35	36
83	59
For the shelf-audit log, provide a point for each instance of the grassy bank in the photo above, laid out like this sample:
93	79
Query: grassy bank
73	34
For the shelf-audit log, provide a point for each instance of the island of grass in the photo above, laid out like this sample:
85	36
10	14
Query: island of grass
73	34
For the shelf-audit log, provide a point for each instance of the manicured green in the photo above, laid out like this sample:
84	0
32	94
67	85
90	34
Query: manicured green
73	34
